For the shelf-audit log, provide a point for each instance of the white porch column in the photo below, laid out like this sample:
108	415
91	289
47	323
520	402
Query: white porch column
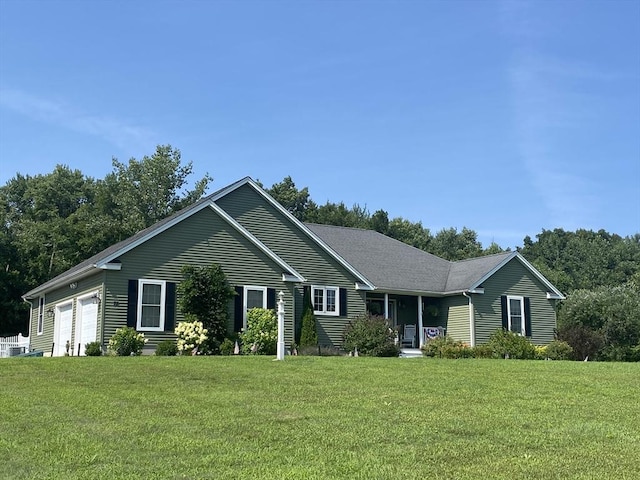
386	306
280	347
420	329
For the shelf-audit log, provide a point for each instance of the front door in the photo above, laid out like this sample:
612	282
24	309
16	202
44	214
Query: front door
63	329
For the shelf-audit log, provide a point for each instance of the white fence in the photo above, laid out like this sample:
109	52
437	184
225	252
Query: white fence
15	344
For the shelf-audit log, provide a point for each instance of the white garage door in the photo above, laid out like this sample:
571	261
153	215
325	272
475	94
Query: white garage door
86	323
63	328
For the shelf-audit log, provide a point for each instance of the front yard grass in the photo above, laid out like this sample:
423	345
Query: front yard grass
317	418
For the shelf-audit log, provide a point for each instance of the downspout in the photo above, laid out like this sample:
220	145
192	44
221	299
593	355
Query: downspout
472	321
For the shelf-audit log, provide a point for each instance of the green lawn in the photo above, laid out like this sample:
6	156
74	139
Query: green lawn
309	417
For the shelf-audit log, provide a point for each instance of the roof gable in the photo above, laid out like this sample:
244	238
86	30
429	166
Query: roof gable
103	258
364	281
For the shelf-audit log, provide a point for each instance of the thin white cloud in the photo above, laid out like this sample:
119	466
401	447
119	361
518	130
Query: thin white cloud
63	115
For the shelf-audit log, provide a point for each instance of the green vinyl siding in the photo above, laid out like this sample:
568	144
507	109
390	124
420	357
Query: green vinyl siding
454	311
201	239
514	279
59	296
296	248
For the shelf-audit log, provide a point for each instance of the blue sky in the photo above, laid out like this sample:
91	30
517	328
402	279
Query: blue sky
506	117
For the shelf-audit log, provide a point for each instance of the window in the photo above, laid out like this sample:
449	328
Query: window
325	300
515	314
254	297
40	315
151	301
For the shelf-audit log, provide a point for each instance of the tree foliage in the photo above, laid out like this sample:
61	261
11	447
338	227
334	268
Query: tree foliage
51	222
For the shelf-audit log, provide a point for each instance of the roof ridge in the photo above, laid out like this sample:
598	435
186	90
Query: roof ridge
484	256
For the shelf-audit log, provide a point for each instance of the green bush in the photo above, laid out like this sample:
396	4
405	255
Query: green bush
167	348
126	341
308	333
227	346
619	353
558	350
482	351
586	343
204	294
446	347
93	349
371	335
261	334
506	344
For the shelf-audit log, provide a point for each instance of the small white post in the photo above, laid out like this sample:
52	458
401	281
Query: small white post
280	349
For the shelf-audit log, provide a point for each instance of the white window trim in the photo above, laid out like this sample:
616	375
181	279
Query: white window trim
40	321
244	300
324	289
523	320
163	294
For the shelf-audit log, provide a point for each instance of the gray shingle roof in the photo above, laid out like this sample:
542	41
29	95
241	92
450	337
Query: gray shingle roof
466	273
389	264
392	265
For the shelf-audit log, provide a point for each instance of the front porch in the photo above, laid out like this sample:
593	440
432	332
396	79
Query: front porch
416	318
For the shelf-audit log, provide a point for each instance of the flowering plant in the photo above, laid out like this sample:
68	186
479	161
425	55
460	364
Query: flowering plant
261	335
190	336
126	341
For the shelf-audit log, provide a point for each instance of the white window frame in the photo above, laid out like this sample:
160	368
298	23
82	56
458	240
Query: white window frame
521	313
324	289
40	323
245	308
163	298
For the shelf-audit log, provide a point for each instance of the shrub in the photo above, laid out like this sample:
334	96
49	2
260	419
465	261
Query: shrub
126	341
446	347
584	341
620	353
507	344
227	346
191	335
540	352
93	349
167	348
205	293
261	335
558	350
308	333
482	351
371	335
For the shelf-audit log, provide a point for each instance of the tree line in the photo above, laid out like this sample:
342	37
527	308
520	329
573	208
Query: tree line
50	222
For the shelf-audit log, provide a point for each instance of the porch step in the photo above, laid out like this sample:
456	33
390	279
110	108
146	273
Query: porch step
410	353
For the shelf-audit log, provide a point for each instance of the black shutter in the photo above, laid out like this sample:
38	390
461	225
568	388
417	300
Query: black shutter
132	303
343	302
505	312
307	301
170	308
238	314
527	317
271	298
